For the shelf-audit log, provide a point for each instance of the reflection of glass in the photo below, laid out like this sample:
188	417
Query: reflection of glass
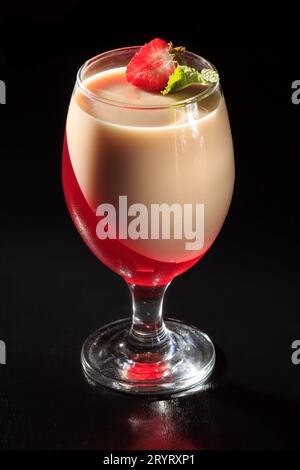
153	150
161	427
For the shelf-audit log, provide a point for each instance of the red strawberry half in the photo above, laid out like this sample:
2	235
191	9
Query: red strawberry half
151	67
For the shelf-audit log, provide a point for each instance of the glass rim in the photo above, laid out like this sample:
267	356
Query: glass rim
196	98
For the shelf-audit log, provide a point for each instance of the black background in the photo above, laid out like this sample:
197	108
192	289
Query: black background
244	292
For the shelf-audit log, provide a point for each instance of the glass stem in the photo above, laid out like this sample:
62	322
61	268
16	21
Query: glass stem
147	327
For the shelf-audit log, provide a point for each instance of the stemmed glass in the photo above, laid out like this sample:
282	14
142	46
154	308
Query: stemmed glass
175	157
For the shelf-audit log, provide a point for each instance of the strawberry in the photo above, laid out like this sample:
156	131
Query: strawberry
151	67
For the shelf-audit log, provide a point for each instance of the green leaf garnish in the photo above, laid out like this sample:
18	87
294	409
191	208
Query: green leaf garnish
184	76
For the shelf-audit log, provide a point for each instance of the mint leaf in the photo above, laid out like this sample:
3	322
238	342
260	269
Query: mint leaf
184	76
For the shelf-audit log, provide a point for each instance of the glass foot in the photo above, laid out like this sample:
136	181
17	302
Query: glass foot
183	359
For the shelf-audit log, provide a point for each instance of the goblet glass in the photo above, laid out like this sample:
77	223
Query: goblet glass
148	184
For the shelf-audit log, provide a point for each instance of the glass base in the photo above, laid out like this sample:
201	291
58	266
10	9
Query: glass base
184	359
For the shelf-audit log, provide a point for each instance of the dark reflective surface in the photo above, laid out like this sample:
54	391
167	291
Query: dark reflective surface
244	293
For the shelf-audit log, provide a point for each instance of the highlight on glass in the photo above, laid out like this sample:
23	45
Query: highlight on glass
148	176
